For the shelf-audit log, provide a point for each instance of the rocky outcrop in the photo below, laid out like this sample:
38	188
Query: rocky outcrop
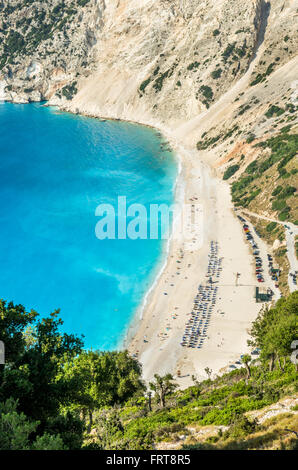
196	66
170	60
45	45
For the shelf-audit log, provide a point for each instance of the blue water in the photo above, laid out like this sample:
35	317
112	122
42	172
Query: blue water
55	169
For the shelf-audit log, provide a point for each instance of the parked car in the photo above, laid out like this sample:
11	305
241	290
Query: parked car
256	352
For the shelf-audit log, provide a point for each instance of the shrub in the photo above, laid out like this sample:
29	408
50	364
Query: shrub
69	90
270	227
250	138
252	167
216	73
144	84
274	110
228	51
278	205
241	427
193	65
276	191
206	92
230	171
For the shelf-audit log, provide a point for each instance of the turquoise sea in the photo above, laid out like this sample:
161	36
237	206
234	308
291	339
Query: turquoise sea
56	168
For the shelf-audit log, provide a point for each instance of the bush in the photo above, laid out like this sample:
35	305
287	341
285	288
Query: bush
276	191
216	73
270	227
274	111
252	167
228	51
230	171
241	427
278	205
69	90
193	65
144	84
250	138
206	92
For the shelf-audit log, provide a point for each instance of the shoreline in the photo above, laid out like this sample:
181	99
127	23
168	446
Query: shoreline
138	315
155	337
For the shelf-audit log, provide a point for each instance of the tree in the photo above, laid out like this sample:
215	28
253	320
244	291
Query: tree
110	431
35	355
43	362
275	329
48	442
163	386
246	359
110	434
208	372
13	322
149	396
16	429
69	427
102	379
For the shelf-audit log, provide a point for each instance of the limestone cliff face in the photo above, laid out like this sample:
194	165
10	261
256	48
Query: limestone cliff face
46	46
167	60
220	76
205	69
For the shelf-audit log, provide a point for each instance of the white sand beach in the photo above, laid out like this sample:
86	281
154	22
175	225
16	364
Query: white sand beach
162	324
157	340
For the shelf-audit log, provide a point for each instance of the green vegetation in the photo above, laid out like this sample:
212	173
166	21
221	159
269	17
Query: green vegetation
158	84
230	171
261	77
274	111
48	381
159	81
144	85
271	226
211	141
204	144
53	393
193	66
216	73
25	27
206	92
228	51
69	91
236	53
250	138
274	331
283	148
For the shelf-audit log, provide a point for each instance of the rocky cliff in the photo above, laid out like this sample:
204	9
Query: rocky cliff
220	76
167	59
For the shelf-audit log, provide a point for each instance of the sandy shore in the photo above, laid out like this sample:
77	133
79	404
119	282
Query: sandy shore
156	333
155	336
157	340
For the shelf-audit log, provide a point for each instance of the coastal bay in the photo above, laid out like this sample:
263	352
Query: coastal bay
56	169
